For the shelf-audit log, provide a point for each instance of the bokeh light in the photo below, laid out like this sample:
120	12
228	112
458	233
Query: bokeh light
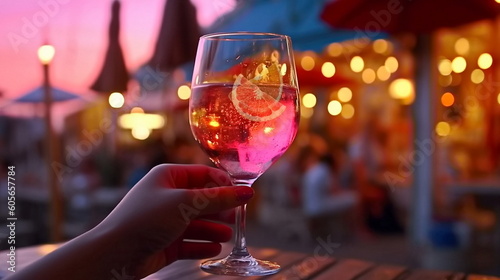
347	111
380	46
116	100
328	69
458	64
392	64
477	76
401	89
357	64
334	107
444	67
445	81
383	73
485	61
447	99
307	63
368	76
344	94
309	100
334	49
498	98
184	92
462	46
306	113
141	132
443	129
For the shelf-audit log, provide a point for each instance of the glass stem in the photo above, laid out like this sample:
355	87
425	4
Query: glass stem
240	243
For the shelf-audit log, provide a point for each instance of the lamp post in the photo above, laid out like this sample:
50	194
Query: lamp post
45	55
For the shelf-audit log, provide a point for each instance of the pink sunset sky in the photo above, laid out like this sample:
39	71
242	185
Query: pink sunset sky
78	30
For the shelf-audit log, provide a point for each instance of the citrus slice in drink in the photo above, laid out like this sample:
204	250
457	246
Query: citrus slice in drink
253	103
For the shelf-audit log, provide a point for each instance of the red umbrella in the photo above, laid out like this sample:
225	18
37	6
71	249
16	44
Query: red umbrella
114	75
418	16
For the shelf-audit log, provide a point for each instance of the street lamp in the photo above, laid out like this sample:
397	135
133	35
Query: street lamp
45	55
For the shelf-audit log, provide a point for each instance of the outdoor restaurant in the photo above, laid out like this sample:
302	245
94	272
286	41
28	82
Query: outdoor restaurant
369	132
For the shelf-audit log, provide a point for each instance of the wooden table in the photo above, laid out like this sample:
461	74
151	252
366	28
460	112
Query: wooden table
295	266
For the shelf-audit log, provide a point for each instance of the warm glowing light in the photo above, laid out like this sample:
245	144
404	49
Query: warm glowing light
137	110
213	123
357	64
268	129
309	100
347	111
47	248
383	73
485	61
445	81
498	98
283	69
443	129
306	113
498	1
477	76
462	46
116	100
401	89
137	118
344	94
184	92
392	64
409	99
141	132
447	99
368	76
334	49
307	62
334	108
328	69
458	64
444	67
46	54
380	46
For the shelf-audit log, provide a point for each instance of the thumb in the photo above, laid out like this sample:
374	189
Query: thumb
212	200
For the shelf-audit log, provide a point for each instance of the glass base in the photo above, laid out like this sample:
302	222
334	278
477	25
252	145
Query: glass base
240	266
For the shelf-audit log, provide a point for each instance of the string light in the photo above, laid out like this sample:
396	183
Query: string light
184	92
347	111
462	46
458	64
443	129
357	64
485	61
309	100
477	76
368	76
334	108
344	94
447	99
307	63
444	67
328	69
392	64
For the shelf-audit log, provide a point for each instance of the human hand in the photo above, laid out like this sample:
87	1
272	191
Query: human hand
164	208
146	231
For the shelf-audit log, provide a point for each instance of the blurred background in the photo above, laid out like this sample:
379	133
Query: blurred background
396	160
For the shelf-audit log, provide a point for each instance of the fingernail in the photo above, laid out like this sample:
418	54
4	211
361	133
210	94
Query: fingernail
244	193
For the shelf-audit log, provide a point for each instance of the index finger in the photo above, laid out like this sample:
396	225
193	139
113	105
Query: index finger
191	176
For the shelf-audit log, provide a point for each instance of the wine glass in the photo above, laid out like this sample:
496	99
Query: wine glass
244	113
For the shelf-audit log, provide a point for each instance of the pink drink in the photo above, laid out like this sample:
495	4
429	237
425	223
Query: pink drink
242	138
